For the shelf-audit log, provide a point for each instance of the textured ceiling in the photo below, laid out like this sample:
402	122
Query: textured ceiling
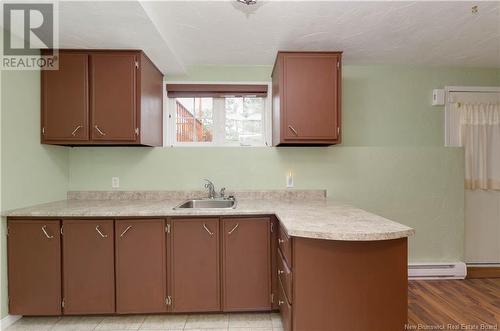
176	34
430	33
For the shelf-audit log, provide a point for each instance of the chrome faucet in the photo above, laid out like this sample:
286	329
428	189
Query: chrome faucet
211	189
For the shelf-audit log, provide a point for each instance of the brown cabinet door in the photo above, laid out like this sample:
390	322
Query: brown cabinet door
88	267
195	265
65	99
310	96
34	267
113	96
246	264
140	266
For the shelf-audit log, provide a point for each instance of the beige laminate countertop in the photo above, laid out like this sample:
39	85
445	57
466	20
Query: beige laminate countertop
323	219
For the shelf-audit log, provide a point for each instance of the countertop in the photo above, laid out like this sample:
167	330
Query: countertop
318	219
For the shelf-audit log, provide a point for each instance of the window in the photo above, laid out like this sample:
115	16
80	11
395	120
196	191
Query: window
195	119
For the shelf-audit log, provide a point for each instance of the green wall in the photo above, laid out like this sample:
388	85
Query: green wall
31	173
392	161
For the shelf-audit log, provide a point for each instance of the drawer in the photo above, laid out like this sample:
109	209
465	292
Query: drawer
285	308
285	276
285	245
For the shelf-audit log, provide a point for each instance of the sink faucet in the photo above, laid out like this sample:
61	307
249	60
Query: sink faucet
211	189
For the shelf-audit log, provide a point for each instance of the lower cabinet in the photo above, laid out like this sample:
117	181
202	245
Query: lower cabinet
194	251
246	266
34	267
140	266
88	267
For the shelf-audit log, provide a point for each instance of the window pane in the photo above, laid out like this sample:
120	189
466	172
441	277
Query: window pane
194	119
244	120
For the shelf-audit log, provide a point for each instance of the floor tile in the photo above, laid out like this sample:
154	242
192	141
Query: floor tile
250	329
250	320
77	323
129	322
34	324
164	322
207	321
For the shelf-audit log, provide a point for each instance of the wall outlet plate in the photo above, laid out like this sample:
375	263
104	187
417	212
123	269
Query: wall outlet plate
115	182
289	180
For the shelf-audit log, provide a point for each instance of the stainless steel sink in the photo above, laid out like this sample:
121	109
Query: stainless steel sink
208	203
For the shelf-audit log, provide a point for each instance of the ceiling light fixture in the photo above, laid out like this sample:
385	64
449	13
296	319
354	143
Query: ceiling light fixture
248	2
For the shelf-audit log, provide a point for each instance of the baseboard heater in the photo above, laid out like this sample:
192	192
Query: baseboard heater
437	270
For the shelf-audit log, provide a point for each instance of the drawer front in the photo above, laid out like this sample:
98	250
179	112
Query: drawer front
285	276
285	308
285	245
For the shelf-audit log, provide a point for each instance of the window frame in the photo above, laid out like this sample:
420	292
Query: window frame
169	120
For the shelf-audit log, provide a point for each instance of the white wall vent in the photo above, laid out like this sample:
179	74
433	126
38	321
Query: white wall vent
437	270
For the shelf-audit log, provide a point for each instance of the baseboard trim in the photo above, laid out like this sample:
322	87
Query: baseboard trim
483	272
8	321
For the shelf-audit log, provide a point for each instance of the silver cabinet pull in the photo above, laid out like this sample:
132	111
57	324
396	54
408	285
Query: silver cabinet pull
280	241
280	302
100	232
44	229
235	227
76	129
280	272
125	231
99	130
293	130
207	229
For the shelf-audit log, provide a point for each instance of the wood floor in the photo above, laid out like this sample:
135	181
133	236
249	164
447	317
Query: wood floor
454	303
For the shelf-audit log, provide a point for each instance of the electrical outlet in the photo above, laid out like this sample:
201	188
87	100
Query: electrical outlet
289	180
115	182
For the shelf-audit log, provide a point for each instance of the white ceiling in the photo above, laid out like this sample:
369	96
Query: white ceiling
176	34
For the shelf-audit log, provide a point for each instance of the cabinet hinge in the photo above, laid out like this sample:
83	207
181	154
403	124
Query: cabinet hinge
136	131
272	226
62	230
43	131
167	228
62	303
168	300
137	64
272	298
338	130
338	64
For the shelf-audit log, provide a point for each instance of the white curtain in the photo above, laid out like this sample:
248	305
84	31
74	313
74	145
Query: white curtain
480	137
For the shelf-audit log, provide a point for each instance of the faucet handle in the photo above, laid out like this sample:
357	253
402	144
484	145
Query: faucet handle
222	192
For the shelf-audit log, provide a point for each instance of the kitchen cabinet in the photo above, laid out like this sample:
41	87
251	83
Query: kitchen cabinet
246	265
65	99
88	267
34	267
307	98
140	262
102	97
195	265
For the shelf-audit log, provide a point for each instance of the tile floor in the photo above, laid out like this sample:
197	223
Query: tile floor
194	322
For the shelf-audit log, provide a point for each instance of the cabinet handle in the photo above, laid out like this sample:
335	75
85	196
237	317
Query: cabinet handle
99	130
280	302
207	229
76	129
44	229
235	227
280	272
281	241
128	228
293	130
100	232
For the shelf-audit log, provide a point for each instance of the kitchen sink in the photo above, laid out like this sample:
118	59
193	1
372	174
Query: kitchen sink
208	203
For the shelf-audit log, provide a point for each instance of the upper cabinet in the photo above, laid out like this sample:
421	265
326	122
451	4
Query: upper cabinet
306	98
102	98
